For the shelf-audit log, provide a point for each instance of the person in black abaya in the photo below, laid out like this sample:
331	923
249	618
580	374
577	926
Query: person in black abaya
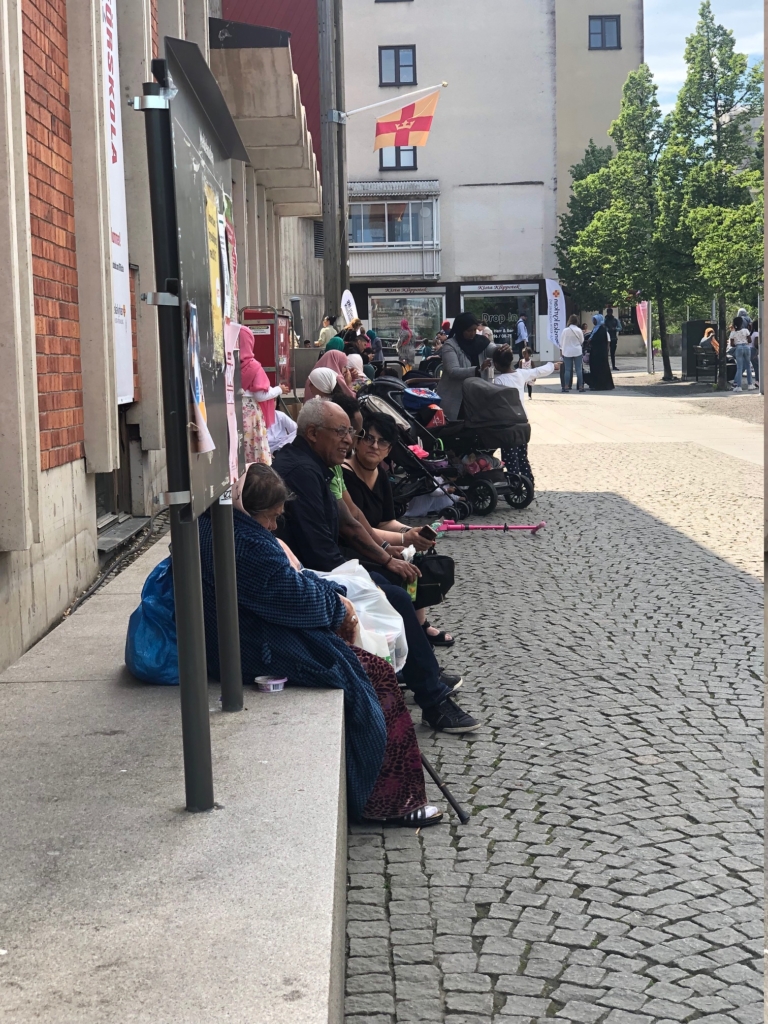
599	377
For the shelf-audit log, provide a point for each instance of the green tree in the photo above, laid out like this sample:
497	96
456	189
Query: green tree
729	244
622	249
590	193
713	141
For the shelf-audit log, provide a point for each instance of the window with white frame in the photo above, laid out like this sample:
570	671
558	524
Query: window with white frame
411	222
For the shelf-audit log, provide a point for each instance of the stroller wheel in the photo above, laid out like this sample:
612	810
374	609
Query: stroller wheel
483	497
400	508
461	509
520	493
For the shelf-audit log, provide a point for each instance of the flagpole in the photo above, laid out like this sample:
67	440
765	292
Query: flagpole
401	96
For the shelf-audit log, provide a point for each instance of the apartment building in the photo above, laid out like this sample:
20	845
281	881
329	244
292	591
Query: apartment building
468	221
82	459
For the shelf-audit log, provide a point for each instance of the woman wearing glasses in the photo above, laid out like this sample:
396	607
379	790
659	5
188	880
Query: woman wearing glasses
368	485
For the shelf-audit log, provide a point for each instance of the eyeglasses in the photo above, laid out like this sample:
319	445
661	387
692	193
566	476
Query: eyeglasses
375	442
343	432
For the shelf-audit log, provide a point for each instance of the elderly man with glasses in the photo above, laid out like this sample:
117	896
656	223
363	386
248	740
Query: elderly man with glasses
313	522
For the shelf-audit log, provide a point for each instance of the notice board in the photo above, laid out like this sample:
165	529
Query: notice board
204	140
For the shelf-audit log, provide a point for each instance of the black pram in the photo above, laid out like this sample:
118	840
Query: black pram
493	417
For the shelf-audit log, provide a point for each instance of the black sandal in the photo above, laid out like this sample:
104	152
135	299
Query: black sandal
439	640
422	817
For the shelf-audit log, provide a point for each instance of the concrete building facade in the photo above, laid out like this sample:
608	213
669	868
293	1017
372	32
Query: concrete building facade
468	222
595	53
81	421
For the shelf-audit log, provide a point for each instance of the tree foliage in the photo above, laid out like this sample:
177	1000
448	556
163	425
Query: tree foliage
671	215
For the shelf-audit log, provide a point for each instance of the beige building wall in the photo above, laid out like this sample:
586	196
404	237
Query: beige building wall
589	82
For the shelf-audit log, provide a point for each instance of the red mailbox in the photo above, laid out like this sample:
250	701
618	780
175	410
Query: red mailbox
271	340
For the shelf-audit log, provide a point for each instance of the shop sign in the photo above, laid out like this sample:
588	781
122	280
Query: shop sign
118	220
500	289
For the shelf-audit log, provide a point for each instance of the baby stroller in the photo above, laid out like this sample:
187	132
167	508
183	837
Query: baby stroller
493	418
410	476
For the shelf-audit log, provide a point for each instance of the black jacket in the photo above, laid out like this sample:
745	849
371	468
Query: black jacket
310	525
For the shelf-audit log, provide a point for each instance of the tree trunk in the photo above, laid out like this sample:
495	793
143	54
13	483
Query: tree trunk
662	316
722	368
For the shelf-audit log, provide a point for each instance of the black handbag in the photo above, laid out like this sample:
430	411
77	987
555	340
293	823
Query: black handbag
437	574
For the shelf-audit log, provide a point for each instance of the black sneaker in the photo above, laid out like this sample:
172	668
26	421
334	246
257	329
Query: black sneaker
447	716
451	680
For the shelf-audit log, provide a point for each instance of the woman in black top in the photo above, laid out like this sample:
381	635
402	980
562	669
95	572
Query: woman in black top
369	488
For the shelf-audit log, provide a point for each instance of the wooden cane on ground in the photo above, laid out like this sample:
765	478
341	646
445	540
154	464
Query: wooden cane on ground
463	816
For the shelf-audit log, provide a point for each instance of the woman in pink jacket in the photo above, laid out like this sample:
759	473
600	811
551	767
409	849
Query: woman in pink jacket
258	402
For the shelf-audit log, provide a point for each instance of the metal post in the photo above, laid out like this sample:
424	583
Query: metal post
185	540
225	574
760	360
341	145
330	126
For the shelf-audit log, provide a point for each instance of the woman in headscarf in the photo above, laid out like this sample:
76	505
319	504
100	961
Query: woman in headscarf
297	625
336	344
405	347
258	402
377	351
466	354
318	383
356	366
599	377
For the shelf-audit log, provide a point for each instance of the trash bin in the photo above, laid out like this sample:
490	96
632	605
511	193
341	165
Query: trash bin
693	332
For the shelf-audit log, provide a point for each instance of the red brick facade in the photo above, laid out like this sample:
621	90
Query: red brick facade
54	257
155	40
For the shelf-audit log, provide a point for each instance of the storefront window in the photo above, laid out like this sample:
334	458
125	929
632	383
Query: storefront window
424	314
501	312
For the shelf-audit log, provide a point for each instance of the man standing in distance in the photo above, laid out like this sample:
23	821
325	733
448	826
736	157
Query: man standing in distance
613	326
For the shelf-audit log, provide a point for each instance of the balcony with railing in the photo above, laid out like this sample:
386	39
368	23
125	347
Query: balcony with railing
394	230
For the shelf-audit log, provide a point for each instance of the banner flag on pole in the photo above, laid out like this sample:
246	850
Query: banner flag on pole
408	126
642	321
556	310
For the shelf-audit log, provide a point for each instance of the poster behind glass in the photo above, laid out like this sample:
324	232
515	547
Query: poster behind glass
207	266
501	313
424	314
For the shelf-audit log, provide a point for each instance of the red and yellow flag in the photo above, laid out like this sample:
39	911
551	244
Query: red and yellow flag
408	126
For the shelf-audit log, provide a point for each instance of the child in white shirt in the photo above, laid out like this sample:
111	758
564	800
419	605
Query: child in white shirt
516	459
521	378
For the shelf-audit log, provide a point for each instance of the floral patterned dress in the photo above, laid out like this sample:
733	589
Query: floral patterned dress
255	439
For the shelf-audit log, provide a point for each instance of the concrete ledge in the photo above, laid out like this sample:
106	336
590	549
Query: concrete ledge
118	905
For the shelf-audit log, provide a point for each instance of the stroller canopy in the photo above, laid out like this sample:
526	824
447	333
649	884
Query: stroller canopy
486	405
493	417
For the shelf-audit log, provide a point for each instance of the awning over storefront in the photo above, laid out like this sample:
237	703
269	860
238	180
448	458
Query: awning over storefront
255	73
362	190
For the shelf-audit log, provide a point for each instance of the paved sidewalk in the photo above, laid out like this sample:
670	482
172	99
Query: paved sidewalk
611	871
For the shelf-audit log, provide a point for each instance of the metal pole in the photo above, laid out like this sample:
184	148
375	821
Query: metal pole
649	346
330	156
185	540
225	575
341	146
760	360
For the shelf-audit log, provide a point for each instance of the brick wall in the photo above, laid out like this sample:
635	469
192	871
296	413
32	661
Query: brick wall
155	40
54	258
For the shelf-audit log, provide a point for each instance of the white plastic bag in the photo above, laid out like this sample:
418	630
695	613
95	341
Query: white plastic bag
378	619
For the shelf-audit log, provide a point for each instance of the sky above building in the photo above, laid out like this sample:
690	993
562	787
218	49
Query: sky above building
669	22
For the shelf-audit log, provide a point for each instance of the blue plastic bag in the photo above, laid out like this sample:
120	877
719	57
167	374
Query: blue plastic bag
417	398
150	647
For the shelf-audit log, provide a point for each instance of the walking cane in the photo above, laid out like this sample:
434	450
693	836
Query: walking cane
463	816
505	528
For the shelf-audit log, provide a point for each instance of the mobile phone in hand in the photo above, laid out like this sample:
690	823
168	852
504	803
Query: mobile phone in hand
427	533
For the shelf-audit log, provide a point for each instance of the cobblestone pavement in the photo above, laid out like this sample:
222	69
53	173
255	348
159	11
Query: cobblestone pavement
611	870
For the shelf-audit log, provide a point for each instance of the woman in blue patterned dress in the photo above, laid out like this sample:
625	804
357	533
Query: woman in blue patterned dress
300	626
